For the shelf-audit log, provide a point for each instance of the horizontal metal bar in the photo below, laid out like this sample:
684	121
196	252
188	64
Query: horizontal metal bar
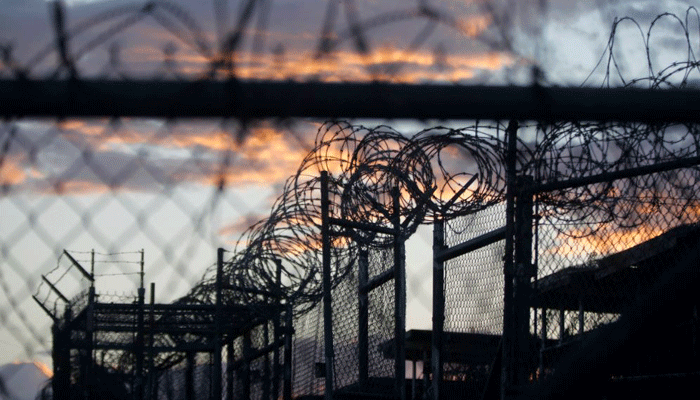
250	290
264	99
471	245
671	376
176	308
378	280
177	348
614	175
202	330
362	226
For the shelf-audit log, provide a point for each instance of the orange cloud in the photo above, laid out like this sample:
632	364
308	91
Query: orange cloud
299	63
608	241
144	155
644	218
43	368
341	65
11	173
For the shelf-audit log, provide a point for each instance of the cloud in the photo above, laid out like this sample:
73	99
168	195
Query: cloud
11	173
289	42
141	155
387	62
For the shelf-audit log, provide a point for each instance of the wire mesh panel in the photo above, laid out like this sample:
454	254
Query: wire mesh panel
174	187
308	351
116	185
601	247
345	331
381	315
474	281
473	303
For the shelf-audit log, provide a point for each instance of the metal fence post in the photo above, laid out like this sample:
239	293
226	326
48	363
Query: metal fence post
218	334
508	360
189	376
289	315
61	357
523	273
399	298
87	359
151	354
438	308
327	309
363	317
277	332
140	342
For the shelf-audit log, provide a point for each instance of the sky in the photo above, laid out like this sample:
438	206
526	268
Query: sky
150	184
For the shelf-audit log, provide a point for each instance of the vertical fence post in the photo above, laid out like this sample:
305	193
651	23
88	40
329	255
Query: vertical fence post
363	317
523	274
218	334
140	340
438	308
151	355
289	315
189	376
90	332
508	358
400	297
277	331
59	392
90	339
61	357
327	309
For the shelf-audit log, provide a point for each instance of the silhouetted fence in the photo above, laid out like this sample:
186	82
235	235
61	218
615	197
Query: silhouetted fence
548	235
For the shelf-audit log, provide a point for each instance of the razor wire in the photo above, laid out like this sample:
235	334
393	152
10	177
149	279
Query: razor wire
366	163
223	54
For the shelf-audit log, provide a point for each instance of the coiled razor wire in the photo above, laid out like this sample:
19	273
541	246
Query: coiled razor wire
441	172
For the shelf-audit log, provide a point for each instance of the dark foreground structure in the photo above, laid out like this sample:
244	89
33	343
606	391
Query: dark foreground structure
125	349
120	347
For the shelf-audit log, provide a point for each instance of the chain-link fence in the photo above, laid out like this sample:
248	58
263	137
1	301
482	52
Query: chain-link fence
177	189
474	282
473	304
597	261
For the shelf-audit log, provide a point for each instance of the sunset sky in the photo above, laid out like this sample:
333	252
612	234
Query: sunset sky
150	184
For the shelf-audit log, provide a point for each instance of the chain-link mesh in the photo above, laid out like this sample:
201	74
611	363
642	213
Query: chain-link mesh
593	269
473	303
381	315
309	355
345	331
170	187
474	281
308	351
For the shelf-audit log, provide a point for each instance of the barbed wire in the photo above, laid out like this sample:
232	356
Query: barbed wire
365	164
225	58
441	172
